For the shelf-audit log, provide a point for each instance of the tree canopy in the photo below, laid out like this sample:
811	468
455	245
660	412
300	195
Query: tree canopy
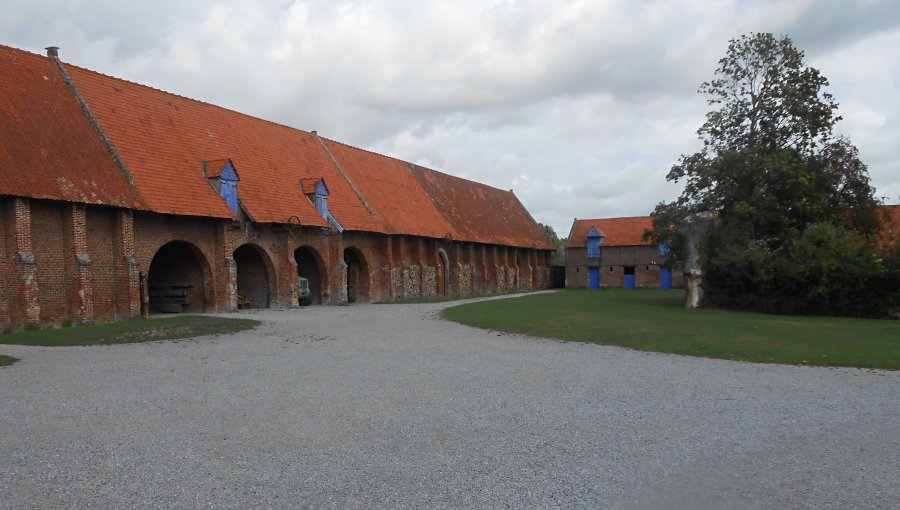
769	170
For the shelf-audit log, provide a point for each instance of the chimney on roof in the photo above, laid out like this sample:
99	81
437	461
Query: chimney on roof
52	51
314	132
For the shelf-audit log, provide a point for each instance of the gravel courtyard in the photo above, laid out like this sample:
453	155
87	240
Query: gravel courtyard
387	406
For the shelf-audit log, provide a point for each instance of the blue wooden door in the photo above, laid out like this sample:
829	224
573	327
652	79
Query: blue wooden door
594	274
665	278
629	281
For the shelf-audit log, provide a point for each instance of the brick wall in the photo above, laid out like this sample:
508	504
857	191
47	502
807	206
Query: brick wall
101	241
70	262
53	266
6	270
645	260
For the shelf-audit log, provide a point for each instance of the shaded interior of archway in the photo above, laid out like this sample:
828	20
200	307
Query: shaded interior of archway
175	281
252	278
357	276
308	267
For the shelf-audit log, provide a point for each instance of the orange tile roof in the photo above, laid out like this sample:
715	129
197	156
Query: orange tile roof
615	231
214	168
391	190
480	213
164	138
50	150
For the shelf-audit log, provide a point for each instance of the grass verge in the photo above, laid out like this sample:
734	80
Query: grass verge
130	331
440	299
7	360
651	320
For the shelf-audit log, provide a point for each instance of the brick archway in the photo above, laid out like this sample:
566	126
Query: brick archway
310	266
255	273
357	275
178	279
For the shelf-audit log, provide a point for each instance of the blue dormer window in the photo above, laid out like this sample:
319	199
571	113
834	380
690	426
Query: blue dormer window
317	193
224	178
321	199
594	241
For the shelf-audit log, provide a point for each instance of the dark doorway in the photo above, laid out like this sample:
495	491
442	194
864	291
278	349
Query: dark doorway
357	276
176	281
308	267
252	277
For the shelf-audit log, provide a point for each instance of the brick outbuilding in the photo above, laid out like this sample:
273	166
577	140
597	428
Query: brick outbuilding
612	253
117	200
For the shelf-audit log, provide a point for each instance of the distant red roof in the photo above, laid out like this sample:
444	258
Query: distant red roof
615	231
49	148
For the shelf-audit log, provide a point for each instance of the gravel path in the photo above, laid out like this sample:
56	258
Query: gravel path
386	406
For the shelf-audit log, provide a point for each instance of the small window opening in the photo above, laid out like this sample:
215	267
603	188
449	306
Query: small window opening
629	270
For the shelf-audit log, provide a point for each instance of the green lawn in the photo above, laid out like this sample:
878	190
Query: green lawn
130	331
653	320
7	360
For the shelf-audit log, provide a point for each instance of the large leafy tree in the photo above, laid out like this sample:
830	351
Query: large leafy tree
770	168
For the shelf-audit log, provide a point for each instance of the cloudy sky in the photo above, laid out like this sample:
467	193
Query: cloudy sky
580	107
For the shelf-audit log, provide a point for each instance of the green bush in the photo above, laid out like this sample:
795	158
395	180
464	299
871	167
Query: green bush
825	270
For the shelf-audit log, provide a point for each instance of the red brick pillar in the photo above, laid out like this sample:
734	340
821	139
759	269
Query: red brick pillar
394	274
338	271
82	282
420	261
128	293
227	300
27	308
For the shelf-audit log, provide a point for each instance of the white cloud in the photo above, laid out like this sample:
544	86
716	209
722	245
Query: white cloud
581	107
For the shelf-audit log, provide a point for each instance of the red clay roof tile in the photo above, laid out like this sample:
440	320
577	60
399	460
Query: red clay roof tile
616	231
391	190
480	213
50	150
164	138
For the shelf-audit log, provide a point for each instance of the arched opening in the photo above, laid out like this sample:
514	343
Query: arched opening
443	284
309	266
177	279
252	277
357	276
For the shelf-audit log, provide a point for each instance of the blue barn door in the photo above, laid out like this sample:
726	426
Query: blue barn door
629	281
594	276
665	278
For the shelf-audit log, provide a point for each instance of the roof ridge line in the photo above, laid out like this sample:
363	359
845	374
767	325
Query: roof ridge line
54	58
344	174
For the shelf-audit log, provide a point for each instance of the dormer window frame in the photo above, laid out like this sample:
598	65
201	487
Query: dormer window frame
594	243
318	197
224	179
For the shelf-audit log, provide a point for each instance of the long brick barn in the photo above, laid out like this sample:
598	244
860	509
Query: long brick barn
117	199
